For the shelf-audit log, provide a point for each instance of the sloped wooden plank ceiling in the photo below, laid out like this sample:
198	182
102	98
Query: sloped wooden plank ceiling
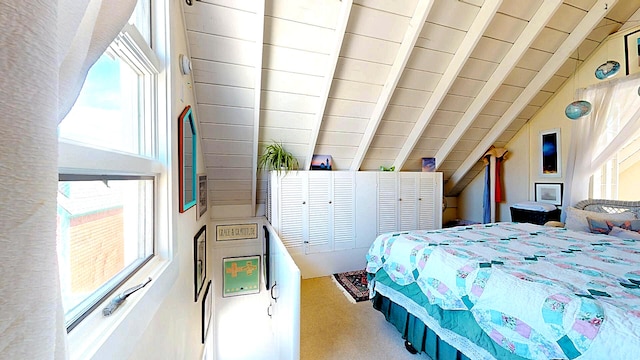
376	82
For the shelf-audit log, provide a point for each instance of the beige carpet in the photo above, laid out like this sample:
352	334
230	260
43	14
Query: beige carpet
331	327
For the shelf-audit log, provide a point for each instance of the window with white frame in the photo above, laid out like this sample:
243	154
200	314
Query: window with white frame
109	168
617	178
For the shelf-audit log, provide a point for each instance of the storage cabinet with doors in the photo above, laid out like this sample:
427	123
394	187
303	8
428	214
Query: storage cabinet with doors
313	211
409	201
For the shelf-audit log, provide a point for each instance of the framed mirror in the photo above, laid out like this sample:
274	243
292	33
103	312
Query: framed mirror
187	159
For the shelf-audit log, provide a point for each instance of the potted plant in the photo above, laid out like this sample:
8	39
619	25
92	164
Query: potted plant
275	157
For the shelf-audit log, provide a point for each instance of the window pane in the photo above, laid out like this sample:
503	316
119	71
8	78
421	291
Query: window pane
141	19
105	231
106	113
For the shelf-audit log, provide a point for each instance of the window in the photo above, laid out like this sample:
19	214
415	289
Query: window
617	178
110	170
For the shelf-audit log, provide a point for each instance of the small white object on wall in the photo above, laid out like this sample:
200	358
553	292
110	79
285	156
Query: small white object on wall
185	65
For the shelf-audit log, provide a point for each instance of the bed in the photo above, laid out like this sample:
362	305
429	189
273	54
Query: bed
516	290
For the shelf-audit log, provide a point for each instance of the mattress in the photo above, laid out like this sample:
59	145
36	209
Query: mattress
535	292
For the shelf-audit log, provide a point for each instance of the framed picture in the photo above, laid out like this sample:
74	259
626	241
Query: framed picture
550	153
428	164
236	232
549	193
632	52
199	260
241	275
321	162
207	308
202	196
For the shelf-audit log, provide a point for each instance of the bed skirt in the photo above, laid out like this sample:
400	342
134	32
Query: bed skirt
415	331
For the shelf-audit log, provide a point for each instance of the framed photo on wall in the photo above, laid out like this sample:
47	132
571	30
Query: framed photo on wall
199	260
549	193
550	165
241	275
632	52
207	308
202	196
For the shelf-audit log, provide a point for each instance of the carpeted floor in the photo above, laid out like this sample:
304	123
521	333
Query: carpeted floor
331	327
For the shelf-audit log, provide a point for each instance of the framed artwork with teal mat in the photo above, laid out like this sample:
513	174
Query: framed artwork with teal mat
241	275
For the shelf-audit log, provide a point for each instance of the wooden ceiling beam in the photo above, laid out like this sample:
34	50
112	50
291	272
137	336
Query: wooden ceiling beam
480	24
518	49
404	52
586	25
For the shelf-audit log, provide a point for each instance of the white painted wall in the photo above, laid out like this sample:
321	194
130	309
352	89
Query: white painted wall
522	169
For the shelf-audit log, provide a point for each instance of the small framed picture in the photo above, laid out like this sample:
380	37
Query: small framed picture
241	275
549	193
207	308
199	260
632	52
550	153
428	164
202	196
321	162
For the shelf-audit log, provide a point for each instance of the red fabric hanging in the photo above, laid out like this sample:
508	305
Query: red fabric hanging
498	191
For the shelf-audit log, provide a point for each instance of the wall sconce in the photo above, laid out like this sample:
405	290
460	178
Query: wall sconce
185	64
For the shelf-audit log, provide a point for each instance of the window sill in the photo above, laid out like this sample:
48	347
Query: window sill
115	337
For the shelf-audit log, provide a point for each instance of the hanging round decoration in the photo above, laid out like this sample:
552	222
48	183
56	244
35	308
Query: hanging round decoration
607	69
577	109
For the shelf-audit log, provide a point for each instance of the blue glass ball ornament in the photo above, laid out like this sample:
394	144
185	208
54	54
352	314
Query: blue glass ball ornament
607	69
577	109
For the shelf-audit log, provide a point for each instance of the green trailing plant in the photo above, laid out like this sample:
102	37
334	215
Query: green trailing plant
275	157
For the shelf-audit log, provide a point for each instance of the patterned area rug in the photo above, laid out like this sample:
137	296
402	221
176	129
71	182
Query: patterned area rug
353	284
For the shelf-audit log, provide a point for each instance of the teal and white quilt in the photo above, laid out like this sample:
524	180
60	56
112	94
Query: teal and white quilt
539	292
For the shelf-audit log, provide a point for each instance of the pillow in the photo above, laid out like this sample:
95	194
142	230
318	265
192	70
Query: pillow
624	234
600	226
577	219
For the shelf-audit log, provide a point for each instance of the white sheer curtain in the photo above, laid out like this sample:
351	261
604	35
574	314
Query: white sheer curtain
616	103
46	49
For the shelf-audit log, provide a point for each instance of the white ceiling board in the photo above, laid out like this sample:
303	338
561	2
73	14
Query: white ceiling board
403	7
289	102
232	185
409	97
585	49
376	154
517	124
317	12
285	135
361	71
622	10
457	155
366	21
387	141
507	93
429	60
248	5
505	28
229	161
418	80
295	35
437	131
474	133
281	81
485	121
478	69
225	115
336	138
214	147
453	14
519	77
344	124
353	109
402	113
440	38
217	73
568	68
224	95
529	111
226	132
581	4
554	83
549	40
286	119
605	28
429	144
489	49
455	103
541	98
221	21
444	117
230	197
566	18
369	49
394	128
352	90
466	87
465	145
293	60
495	108
520	9
534	59
221	49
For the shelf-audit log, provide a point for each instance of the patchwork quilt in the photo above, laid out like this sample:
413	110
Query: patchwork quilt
539	292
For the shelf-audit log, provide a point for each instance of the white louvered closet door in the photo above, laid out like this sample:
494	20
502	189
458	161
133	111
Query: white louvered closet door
343	226
319	204
387	202
292	210
407	201
430	203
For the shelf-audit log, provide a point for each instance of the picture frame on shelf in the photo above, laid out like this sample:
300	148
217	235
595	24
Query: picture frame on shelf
549	193
428	164
550	157
632	52
201	207
241	275
207	310
199	260
321	162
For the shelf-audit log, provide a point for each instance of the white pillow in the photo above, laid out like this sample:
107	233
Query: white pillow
577	219
624	234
